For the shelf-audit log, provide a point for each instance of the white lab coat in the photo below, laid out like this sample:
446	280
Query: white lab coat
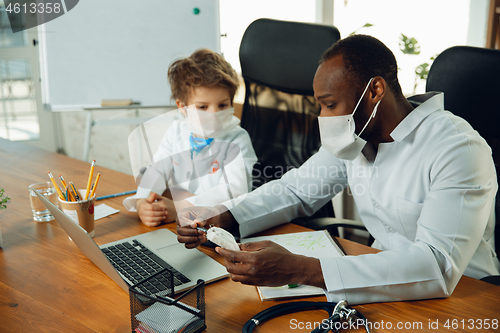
200	173
426	198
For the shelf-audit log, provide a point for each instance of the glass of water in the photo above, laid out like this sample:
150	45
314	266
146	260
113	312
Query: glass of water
40	212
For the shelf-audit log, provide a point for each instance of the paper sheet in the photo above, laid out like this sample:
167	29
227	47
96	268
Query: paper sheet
164	318
103	210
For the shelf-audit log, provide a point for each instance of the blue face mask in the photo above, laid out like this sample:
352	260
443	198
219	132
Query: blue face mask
197	144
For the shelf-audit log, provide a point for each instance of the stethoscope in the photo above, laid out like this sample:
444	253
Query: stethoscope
339	314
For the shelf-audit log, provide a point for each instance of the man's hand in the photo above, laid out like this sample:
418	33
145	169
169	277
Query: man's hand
266	263
191	218
156	209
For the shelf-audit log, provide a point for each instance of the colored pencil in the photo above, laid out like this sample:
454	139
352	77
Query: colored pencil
116	195
75	192
65	186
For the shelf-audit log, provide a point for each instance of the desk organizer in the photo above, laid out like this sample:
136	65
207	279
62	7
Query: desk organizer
166	314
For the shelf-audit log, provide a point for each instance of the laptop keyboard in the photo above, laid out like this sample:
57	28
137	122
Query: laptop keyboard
136	262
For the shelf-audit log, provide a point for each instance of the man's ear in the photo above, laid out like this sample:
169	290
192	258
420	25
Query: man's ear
378	88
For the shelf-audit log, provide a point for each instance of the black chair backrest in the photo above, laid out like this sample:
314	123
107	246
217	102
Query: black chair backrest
278	63
284	55
470	80
469	77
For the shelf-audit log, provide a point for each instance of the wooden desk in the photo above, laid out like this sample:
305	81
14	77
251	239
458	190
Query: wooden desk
46	284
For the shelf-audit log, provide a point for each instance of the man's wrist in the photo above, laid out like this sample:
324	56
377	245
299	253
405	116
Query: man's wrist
312	275
227	220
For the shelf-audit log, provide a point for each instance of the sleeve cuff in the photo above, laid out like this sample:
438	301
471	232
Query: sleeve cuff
335	290
237	212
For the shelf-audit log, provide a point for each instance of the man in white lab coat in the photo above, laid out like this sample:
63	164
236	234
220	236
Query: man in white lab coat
423	181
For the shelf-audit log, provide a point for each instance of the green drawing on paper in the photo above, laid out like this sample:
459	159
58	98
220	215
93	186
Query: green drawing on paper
309	242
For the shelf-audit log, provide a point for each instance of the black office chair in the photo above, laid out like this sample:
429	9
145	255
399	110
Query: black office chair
469	77
278	63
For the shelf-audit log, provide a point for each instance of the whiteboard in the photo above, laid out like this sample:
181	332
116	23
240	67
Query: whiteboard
121	49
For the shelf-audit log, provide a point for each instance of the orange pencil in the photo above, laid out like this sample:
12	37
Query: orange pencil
70	195
57	187
95	185
90	179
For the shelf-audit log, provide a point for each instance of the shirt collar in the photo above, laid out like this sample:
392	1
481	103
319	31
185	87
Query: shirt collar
427	104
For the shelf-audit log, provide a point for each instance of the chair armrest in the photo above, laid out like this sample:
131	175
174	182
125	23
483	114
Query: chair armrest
325	222
493	279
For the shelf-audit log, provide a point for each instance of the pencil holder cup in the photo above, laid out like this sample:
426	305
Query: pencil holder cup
154	313
81	212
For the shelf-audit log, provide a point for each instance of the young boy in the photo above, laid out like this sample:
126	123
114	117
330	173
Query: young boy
206	158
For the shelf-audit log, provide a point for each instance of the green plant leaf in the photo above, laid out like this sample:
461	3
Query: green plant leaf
409	45
367	25
422	71
3	200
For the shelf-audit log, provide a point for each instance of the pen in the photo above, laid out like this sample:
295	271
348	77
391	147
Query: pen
57	187
95	185
91	174
202	229
116	195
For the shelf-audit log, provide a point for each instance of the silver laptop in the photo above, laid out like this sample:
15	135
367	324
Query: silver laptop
159	246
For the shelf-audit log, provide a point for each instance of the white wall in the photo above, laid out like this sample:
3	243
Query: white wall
478	22
236	16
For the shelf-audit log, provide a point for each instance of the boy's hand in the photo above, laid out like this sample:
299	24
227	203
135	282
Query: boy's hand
156	209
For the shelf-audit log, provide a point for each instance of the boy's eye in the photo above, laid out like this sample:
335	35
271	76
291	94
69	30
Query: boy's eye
201	107
223	105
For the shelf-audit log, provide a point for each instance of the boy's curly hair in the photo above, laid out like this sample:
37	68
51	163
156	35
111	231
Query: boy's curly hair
204	68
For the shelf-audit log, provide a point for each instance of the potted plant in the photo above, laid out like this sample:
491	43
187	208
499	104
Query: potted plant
3	199
3	202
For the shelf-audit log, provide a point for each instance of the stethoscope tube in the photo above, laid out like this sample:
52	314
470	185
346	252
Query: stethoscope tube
286	308
337	312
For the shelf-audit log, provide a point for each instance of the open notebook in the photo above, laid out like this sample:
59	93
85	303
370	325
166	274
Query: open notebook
317	244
